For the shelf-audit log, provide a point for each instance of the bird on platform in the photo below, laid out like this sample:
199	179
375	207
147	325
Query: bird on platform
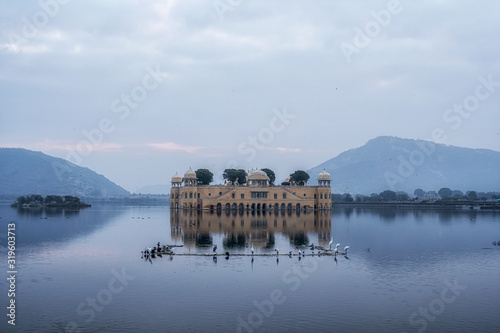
346	248
214	249
277	250
252	249
300	253
330	243
337	249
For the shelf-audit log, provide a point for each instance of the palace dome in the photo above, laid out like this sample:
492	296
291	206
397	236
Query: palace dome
176	179
190	174
257	175
324	175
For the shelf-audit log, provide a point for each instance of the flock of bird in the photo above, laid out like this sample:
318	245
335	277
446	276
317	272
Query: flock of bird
165	249
302	253
157	250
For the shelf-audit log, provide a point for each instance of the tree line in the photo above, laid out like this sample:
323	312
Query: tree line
239	176
49	200
445	194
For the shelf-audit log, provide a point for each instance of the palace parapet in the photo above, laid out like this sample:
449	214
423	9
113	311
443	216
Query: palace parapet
255	195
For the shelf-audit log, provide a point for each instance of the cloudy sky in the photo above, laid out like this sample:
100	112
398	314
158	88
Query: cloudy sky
139	90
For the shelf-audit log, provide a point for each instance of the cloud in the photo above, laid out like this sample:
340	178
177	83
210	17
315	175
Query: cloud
172	146
284	149
226	76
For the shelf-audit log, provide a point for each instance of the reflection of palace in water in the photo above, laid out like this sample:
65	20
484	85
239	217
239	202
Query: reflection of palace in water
255	194
242	228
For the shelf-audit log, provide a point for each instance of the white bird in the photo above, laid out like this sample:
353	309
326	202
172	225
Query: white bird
337	249
214	249
300	253
346	248
252	249
277	250
330	244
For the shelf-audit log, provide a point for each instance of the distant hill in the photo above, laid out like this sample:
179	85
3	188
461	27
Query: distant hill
390	163
30	172
154	189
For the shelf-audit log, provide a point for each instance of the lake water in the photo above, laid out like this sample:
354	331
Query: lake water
406	271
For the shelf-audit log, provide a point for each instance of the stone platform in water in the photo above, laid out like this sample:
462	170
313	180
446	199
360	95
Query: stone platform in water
167	250
225	254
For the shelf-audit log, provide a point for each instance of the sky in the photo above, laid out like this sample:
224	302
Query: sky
139	90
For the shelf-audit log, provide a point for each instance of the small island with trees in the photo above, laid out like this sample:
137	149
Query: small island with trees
36	200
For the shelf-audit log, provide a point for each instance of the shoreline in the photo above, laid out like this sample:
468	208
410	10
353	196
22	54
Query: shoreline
466	206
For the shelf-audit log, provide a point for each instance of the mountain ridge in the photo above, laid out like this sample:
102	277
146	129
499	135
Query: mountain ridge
24	171
398	164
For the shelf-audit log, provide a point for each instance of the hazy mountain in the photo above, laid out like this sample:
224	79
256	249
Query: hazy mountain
405	165
30	172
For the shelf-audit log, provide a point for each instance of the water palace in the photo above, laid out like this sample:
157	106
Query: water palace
255	195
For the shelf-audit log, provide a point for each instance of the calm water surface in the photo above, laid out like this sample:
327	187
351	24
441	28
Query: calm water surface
425	271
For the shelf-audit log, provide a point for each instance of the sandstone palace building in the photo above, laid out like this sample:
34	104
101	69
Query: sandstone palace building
255	195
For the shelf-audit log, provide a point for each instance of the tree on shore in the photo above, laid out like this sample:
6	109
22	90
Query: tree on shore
347	197
419	193
36	200
445	193
388	195
472	195
402	196
71	199
54	199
